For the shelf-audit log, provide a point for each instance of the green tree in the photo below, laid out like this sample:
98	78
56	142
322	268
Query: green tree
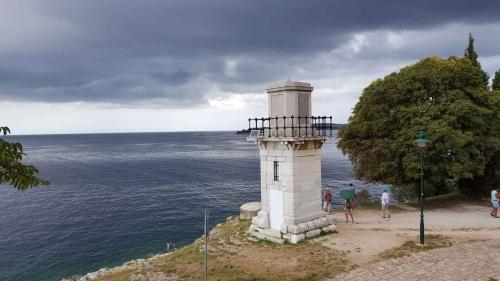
496	81
491	176
470	54
12	171
444	97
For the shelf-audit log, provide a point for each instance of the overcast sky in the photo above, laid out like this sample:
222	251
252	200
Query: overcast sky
125	66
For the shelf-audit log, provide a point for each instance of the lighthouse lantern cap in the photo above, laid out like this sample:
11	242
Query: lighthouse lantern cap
289	85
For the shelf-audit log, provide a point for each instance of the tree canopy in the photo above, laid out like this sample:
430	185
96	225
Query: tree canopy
470	54
446	98
496	81
12	171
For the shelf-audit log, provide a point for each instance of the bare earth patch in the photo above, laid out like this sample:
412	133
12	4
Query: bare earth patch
412	246
373	235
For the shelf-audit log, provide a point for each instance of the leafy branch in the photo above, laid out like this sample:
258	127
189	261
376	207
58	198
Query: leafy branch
12	171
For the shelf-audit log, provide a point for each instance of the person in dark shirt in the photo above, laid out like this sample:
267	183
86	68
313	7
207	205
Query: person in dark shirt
348	210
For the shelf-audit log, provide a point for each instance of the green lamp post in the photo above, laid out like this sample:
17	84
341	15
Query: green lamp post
422	142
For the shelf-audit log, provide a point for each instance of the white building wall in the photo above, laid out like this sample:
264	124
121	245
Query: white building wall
299	179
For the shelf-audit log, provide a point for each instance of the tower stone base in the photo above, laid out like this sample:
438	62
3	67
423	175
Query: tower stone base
293	233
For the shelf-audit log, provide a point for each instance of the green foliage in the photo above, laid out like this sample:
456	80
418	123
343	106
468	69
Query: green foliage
491	177
444	97
470	54
496	81
12	171
405	192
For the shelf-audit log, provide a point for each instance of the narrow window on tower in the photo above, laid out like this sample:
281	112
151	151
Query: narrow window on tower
276	171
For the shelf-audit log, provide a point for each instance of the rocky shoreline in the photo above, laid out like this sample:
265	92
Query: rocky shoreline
138	264
144	269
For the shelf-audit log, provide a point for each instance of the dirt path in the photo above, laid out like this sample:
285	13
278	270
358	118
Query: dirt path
372	235
469	261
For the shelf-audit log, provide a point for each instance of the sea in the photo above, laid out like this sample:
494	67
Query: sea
117	197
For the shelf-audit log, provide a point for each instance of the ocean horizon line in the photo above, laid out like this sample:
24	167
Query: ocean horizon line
117	133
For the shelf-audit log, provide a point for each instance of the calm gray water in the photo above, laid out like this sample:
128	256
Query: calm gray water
116	197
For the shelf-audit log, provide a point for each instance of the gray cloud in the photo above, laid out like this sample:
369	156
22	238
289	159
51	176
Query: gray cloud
178	53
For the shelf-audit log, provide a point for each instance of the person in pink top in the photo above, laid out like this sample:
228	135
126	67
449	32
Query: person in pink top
327	200
385	204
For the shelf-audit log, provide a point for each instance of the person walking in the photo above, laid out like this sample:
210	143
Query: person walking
385	204
494	203
348	210
327	200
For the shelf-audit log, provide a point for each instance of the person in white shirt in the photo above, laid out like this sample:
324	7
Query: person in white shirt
494	203
385	204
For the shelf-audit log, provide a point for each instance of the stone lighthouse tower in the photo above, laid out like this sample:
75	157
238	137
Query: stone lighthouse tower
290	142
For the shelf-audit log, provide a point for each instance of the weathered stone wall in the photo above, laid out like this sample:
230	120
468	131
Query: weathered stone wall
299	178
299	181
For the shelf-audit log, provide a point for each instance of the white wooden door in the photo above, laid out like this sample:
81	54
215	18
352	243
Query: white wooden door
276	208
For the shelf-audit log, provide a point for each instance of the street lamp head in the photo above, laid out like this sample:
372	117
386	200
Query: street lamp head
422	140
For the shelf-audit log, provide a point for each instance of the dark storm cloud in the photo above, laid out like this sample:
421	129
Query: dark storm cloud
179	52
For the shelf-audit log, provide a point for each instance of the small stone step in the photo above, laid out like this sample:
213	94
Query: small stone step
249	210
263	236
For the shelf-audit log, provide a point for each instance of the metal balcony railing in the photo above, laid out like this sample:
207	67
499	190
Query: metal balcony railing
292	126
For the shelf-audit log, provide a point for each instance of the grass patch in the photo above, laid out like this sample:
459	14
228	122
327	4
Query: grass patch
412	246
448	200
233	257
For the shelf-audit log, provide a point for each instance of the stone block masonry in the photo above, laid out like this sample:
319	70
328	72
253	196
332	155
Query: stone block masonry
290	167
299	185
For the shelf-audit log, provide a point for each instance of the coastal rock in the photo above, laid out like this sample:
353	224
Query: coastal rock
253	239
97	274
138	277
153	276
214	233
72	278
142	264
